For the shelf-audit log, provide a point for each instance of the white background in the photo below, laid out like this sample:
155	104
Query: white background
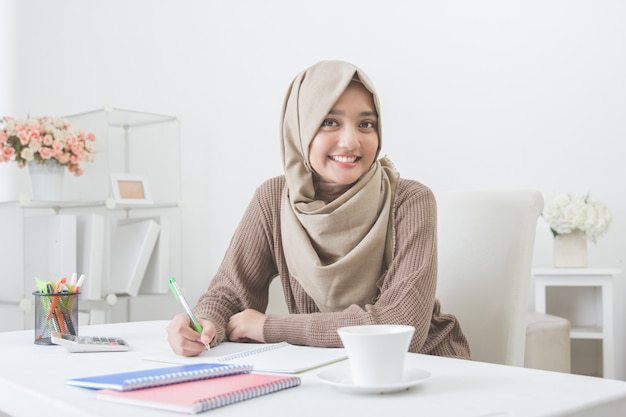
475	94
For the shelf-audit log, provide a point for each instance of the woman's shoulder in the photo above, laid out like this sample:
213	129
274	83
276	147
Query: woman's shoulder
273	185
271	190
409	189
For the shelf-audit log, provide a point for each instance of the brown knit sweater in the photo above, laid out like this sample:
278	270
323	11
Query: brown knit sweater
407	289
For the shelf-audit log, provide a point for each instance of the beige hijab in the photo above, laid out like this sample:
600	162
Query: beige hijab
337	251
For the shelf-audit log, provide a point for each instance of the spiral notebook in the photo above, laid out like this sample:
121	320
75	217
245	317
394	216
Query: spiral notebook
264	357
203	395
128	381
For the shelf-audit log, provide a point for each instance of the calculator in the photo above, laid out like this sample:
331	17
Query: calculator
89	343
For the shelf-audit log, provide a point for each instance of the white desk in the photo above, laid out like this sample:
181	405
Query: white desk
32	383
603	328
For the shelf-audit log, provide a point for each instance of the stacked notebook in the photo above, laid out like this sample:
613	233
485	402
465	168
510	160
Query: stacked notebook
188	388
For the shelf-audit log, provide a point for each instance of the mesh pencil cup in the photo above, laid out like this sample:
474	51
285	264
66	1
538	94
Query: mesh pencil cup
56	312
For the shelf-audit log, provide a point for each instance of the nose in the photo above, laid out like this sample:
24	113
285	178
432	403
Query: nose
349	138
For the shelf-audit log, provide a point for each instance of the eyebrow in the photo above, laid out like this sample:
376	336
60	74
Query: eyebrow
362	114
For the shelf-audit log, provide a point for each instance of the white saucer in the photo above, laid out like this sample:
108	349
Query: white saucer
342	380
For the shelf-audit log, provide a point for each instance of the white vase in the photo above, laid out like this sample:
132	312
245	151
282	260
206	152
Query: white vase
570	250
46	180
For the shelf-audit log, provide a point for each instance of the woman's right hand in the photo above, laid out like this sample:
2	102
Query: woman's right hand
184	340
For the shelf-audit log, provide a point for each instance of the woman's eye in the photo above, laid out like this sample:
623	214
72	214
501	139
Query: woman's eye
368	125
329	122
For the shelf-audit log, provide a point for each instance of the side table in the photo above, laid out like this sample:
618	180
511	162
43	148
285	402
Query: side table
603	325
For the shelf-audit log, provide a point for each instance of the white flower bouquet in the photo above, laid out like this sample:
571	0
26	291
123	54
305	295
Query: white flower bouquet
567	212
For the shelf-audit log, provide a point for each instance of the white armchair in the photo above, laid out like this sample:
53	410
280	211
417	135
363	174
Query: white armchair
485	248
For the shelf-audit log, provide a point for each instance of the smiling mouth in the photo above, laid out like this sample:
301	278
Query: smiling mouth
344	159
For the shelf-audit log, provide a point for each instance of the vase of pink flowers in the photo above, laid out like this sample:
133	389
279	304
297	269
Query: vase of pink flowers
49	147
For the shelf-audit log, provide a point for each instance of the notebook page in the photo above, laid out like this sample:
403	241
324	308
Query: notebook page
276	357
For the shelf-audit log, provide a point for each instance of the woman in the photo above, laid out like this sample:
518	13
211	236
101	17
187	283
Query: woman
351	242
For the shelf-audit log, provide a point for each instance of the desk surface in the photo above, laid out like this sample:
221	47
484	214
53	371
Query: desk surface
32	382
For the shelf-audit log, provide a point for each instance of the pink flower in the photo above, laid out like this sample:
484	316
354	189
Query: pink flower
35	136
7	153
62	158
71	141
46	153
23	137
78	151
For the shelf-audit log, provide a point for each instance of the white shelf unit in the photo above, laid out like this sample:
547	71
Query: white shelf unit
592	321
127	142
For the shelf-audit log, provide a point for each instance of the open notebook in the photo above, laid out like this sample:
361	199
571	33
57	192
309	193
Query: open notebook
264	357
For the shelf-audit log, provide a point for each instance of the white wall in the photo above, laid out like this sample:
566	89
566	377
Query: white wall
475	94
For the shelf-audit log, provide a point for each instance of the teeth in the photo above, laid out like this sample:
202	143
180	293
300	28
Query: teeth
339	158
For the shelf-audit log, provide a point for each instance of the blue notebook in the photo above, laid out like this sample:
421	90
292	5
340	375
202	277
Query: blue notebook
128	381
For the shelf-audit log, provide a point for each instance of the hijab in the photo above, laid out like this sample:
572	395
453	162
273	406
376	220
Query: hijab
337	251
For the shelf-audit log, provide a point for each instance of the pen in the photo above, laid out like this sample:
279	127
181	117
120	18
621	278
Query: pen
68	322
58	315
79	283
55	299
178	294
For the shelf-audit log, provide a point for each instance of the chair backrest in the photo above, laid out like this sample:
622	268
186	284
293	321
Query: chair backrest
485	249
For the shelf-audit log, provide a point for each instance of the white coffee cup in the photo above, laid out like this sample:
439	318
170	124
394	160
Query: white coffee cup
376	352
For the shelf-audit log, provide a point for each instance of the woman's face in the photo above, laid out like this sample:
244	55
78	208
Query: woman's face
346	143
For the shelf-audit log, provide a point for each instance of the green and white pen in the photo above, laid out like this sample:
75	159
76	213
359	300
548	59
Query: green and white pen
179	295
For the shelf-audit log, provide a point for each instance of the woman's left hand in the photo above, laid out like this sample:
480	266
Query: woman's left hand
246	326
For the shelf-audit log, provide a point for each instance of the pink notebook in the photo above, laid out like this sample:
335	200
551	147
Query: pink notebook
198	396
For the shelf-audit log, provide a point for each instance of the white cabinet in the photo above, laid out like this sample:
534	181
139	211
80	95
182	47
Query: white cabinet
584	296
131	145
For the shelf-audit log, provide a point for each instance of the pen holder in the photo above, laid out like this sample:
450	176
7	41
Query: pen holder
55	313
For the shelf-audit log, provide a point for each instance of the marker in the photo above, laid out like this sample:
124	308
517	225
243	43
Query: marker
79	283
55	299
179	295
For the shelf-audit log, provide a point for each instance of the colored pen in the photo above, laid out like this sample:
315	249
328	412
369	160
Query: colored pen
55	299
68	322
178	294
58	315
79	283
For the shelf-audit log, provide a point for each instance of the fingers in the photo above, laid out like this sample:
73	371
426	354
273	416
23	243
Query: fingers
208	333
246	326
184	340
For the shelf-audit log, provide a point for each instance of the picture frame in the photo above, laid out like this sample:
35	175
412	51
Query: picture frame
131	189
